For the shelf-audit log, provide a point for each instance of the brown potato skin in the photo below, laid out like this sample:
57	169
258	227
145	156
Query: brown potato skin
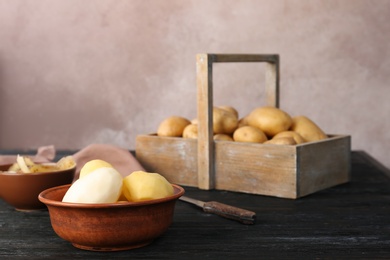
281	141
309	130
230	109
224	122
172	126
191	131
249	134
222	137
297	137
270	120
243	121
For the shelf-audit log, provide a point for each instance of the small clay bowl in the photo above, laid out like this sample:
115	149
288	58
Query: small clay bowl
109	226
21	190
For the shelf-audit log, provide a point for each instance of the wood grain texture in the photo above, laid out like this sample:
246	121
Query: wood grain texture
205	154
204	82
288	171
174	158
323	165
256	168
348	221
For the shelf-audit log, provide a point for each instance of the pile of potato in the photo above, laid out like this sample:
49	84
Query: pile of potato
268	125
100	182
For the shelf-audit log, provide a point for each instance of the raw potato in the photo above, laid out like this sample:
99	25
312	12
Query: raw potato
172	126
307	129
270	120
222	137
224	122
297	137
230	109
92	165
140	185
281	141
191	131
243	122
249	134
103	185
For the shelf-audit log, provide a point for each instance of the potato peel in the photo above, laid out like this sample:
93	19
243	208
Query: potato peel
27	166
22	164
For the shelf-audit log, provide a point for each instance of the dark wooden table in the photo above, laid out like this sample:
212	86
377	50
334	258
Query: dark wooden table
349	221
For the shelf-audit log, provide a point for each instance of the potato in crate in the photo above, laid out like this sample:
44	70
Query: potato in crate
268	152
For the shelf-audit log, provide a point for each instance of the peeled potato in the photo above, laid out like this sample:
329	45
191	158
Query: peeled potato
281	141
190	131
307	129
172	126
270	120
297	137
103	185
249	134
140	185
224	122
92	165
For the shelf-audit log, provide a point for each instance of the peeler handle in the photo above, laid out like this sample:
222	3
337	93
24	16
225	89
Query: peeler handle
241	215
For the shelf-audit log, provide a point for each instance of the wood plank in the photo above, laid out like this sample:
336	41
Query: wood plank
324	164
221	57
256	168
174	158
205	117
289	171
204	80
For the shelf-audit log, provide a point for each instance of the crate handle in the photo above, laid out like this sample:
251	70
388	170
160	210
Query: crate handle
204	81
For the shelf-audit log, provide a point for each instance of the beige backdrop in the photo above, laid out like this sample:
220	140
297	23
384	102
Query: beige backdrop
78	72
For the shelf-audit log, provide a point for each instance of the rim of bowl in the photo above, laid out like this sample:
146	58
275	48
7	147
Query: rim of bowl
35	173
57	203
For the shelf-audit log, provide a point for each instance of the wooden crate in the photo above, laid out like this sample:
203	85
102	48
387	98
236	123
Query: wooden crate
265	169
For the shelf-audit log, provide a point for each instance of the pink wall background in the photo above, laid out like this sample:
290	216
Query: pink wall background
79	72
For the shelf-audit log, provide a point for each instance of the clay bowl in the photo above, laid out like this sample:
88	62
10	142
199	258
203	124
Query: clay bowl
110	226
21	190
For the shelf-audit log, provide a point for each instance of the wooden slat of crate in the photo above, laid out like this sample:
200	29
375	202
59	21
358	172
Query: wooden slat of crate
290	171
174	158
282	171
255	168
324	164
274	170
204	81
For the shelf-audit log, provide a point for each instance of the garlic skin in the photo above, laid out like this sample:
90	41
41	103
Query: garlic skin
103	185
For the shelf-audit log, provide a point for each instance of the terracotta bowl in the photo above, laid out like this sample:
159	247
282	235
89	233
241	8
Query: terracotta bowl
111	226
21	190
